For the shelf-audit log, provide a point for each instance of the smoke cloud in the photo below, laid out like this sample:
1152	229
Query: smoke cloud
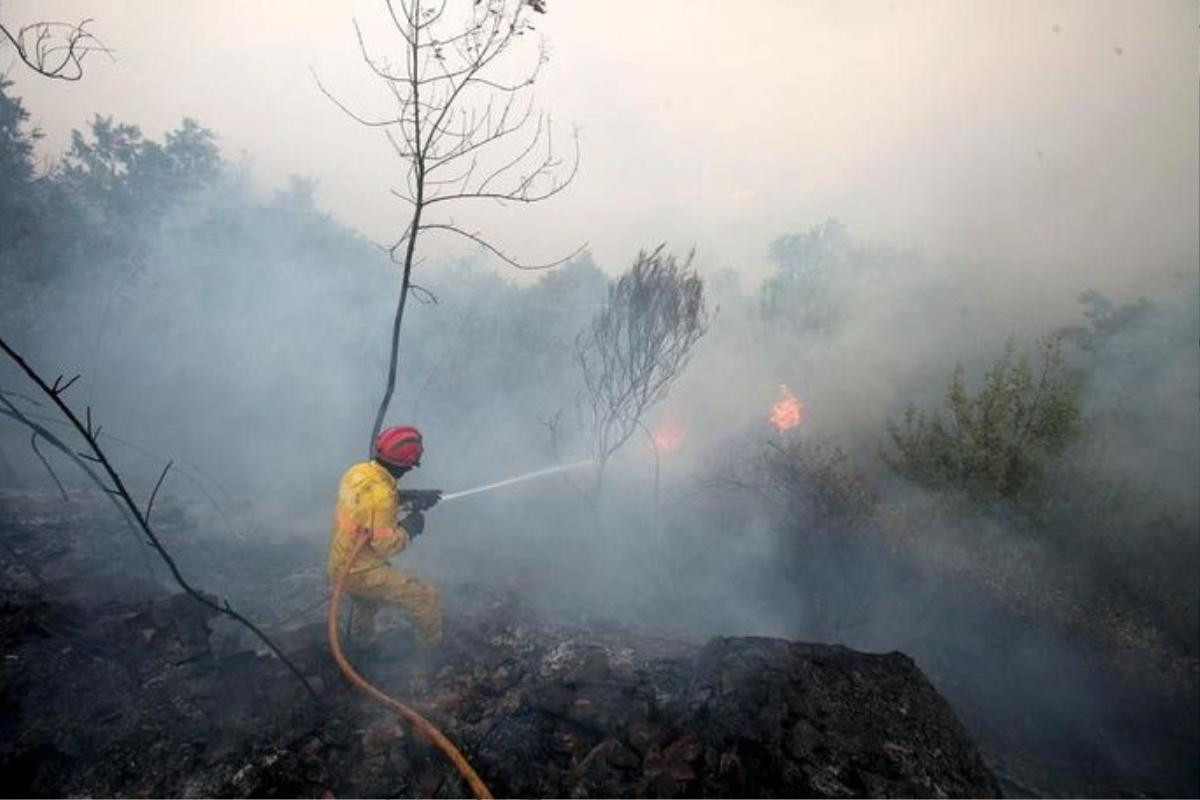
877	193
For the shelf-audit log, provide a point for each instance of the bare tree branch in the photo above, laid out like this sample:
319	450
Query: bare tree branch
15	413
638	344
451	103
54	49
90	435
33	437
423	295
370	123
485	244
186	471
158	485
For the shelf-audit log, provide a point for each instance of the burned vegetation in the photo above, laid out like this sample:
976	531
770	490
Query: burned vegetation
113	687
844	523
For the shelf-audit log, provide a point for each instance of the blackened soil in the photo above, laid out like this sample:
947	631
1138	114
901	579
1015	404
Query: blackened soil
111	687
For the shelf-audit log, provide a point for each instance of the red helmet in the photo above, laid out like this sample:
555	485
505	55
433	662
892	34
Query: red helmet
400	447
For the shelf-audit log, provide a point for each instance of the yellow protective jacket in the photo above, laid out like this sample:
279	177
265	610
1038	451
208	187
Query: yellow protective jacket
366	502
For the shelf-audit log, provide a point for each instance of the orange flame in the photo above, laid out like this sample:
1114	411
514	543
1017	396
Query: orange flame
788	413
667	437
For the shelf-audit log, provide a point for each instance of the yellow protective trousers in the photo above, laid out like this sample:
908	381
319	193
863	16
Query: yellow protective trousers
387	585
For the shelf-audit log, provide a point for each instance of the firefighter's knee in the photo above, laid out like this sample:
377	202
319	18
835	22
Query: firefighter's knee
420	599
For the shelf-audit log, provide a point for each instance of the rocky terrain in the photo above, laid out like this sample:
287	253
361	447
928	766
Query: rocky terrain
113	685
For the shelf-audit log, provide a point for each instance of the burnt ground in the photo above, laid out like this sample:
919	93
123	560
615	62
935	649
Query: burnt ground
112	684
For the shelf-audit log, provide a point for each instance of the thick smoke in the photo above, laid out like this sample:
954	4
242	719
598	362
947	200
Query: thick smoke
245	337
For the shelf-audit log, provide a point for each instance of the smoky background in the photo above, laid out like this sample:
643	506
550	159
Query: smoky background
237	351
238	326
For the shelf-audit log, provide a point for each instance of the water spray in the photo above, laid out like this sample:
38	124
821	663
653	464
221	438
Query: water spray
518	479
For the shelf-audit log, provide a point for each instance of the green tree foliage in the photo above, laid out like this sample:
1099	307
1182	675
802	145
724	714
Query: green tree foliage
16	142
824	278
19	205
996	442
1106	318
125	177
96	208
800	294
152	267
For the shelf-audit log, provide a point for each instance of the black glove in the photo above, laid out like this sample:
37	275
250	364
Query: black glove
419	499
428	499
414	523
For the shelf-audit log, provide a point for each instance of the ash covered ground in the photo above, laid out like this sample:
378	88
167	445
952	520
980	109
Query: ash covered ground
115	686
888	368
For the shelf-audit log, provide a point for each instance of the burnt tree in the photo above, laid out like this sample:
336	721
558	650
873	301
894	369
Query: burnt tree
637	345
466	129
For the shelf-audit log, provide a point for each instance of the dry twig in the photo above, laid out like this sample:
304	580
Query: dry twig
90	433
54	49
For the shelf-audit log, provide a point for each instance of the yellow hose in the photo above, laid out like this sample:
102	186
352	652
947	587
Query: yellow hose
416	720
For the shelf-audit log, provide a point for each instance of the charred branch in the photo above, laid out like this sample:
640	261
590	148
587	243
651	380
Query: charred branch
33	438
158	485
12	412
191	472
638	345
90	435
449	109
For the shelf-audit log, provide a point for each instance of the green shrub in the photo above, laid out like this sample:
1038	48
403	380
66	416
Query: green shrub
996	442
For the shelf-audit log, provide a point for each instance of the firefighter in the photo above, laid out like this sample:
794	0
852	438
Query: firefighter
367	507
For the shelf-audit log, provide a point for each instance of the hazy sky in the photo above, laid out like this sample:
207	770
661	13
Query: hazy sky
1049	139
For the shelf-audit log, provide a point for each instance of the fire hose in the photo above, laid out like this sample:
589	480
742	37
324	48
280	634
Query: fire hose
427	729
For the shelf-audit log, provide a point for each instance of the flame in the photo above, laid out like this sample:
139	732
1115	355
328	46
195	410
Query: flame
667	437
788	413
